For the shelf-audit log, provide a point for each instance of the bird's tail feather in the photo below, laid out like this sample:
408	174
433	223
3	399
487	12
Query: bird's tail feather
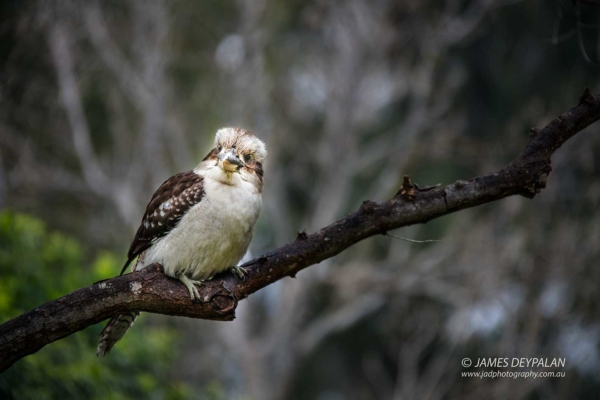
129	260
114	331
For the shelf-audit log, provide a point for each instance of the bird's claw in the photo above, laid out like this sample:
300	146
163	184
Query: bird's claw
190	284
240	272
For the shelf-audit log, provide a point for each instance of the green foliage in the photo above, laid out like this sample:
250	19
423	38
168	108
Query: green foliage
37	266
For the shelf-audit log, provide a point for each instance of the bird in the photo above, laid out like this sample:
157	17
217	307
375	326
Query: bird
200	222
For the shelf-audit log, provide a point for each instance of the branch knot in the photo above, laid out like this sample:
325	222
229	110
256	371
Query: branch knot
407	191
586	97
301	235
368	206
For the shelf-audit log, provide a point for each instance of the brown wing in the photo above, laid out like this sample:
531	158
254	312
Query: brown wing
169	204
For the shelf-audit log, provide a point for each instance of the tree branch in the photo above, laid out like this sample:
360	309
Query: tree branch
151	291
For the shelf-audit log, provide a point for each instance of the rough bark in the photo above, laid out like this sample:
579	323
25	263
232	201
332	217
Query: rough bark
152	291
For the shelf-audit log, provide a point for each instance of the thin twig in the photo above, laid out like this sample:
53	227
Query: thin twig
411	240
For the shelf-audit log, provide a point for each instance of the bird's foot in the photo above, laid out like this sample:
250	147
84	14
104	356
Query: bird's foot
240	272
190	284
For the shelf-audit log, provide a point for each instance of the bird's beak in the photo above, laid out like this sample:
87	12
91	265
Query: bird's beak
229	161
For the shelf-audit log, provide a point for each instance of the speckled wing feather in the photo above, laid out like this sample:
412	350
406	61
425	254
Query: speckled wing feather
169	204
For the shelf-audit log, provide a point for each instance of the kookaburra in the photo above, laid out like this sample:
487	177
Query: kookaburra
200	222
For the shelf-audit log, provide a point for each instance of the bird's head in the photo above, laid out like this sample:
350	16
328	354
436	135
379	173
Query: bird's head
237	151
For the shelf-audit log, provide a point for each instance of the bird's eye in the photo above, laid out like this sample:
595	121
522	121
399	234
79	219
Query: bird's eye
248	157
219	147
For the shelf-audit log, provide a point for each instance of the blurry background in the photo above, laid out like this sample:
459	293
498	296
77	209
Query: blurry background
100	102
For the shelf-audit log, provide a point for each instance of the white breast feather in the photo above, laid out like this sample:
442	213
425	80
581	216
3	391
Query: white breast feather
214	234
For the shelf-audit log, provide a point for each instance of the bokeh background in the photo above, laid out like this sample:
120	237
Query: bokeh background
101	101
